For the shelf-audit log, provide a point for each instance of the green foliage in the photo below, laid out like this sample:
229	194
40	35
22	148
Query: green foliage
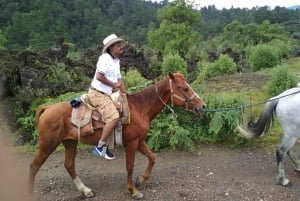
202	68
134	81
237	35
174	63
72	53
262	56
282	79
282	47
179	12
35	23
224	65
187	130
268	32
3	40
25	98
234	33
222	120
166	131
176	32
62	78
155	66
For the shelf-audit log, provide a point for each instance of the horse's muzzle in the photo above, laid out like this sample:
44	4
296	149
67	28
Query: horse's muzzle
199	109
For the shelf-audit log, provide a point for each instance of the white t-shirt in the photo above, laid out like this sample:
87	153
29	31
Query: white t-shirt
110	68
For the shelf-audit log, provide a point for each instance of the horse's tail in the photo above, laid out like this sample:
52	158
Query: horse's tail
262	125
39	112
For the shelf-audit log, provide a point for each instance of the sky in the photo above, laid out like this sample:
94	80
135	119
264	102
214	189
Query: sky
219	4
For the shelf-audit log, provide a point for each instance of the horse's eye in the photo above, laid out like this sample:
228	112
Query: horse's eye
186	89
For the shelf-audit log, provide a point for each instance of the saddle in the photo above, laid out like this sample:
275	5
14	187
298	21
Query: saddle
86	118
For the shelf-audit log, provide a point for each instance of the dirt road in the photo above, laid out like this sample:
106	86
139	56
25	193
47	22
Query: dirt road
211	173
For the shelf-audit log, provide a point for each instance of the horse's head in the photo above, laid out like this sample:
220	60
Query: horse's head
183	95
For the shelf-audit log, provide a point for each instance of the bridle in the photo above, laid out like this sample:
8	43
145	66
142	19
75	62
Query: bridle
184	98
187	100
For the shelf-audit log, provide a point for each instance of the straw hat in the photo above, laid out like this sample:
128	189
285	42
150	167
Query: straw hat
110	40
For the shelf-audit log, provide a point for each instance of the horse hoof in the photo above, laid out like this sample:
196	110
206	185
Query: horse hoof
297	170
137	182
138	196
89	194
288	185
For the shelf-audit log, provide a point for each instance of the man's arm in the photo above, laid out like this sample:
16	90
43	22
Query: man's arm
120	85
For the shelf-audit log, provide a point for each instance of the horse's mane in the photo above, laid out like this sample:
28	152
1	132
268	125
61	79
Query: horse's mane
147	95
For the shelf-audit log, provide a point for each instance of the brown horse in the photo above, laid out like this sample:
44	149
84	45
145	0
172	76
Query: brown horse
55	127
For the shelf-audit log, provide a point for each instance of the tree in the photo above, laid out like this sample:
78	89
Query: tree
177	29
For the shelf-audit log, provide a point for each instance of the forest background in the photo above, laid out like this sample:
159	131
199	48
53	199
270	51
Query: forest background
232	57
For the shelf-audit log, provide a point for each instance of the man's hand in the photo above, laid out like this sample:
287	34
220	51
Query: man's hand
118	84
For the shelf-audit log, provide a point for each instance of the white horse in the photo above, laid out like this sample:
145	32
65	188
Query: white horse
286	106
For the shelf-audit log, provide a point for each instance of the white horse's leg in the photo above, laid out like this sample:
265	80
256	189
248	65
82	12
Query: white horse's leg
82	188
286	144
281	174
294	159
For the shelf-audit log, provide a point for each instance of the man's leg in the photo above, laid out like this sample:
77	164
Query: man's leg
107	129
102	149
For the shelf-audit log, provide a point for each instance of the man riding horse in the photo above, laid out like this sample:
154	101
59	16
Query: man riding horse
107	77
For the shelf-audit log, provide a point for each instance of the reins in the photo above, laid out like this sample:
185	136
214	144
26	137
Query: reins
164	102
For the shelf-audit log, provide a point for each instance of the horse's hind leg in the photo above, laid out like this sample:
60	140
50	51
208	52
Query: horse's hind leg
295	160
42	155
286	144
71	149
144	149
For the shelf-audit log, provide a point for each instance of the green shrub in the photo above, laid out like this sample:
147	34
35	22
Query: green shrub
169	132
154	66
134	81
262	56
222	116
224	65
202	67
173	63
281	80
282	47
217	125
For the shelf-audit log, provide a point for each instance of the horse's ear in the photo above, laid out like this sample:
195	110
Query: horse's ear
171	76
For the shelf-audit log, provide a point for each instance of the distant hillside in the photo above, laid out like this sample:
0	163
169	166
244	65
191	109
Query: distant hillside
295	7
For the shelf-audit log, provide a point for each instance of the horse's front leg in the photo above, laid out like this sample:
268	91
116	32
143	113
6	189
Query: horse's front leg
144	149
71	149
130	157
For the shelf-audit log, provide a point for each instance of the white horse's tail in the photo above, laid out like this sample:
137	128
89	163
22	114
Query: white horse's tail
262	125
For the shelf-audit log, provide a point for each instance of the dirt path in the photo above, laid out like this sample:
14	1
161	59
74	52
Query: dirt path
214	173
211	173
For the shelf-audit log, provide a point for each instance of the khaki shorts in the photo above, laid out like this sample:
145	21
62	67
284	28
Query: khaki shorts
104	105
